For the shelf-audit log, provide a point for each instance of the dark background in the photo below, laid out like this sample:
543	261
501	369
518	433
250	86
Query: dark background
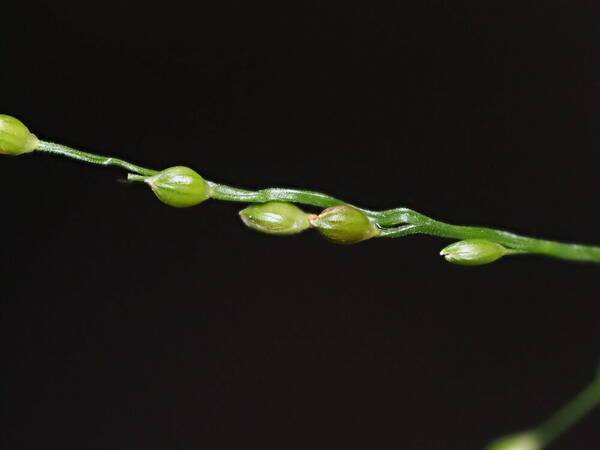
125	324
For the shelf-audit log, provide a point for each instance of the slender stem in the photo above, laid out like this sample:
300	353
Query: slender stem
232	194
401	231
395	222
396	216
382	218
570	413
136	177
63	150
515	243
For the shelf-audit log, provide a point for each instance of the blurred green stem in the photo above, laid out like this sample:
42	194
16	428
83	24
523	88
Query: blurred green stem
570	413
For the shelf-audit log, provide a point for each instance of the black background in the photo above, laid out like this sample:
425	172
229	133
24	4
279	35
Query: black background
125	324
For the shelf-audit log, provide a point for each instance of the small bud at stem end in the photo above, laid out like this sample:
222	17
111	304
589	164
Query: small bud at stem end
15	138
521	441
473	252
179	187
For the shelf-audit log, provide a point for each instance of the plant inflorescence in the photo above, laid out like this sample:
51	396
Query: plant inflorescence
275	211
278	213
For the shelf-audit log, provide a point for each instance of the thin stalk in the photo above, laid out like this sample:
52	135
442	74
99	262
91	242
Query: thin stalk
233	194
63	150
570	413
514	242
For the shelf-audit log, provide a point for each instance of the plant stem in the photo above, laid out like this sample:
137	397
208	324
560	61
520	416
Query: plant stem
515	243
63	150
395	222
136	177
233	194
570	413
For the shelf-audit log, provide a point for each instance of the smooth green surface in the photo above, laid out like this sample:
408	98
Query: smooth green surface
280	218
179	186
521	441
473	252
15	138
392	223
344	225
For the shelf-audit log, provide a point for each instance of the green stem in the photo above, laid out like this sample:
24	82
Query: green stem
232	194
395	222
135	177
515	243
383	219
569	414
63	150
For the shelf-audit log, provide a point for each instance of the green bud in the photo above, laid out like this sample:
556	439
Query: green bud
15	138
275	218
344	225
520	441
177	186
473	252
